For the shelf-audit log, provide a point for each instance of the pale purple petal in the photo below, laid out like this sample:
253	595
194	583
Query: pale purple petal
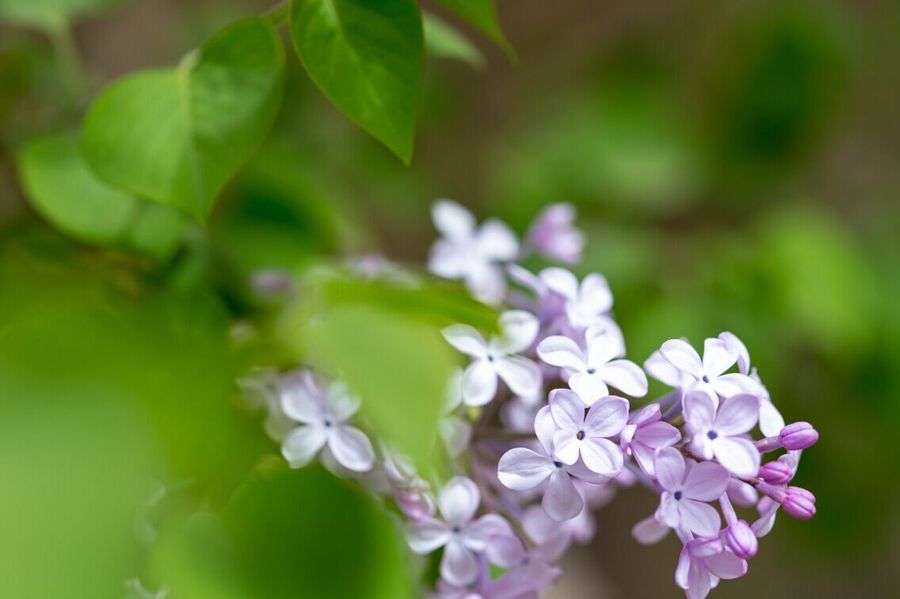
446	260
521	469
519	329
657	434
466	339
561	499
607	417
496	241
717	356
743	356
560	281
566	447
352	449
684	357
737	414
603	345
589	387
458	565
544	427
601	456
727	385
485	282
302	444
456	433
663	370
567	410
561	351
739	456
726	565
767	511
521	375
698	581
701	518
705	482
300	405
505	551
667	512
427	535
459	500
682	569
596	294
699	410
669	465
478	533
452	220
770	419
340	404
626	376
479	383
644	456
741	493
649	531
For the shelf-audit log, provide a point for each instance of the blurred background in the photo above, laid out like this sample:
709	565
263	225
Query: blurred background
735	165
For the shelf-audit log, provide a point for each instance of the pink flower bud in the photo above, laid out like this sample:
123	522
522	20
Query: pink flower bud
799	503
798	435
741	540
776	473
416	506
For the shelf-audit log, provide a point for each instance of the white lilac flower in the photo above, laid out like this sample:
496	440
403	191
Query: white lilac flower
473	254
719	431
586	304
644	434
554	235
710	371
687	487
458	532
495	358
323	415
523	469
587	435
702	563
590	372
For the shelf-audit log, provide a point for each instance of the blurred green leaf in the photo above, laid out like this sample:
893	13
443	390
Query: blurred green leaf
483	15
367	57
51	14
66	192
445	41
177	135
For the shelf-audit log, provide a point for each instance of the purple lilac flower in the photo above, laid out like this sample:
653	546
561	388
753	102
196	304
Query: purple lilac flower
709	372
687	487
646	433
554	235
718	429
587	435
702	563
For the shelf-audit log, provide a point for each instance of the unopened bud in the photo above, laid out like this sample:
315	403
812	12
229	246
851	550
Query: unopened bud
798	435
799	503
741	540
776	473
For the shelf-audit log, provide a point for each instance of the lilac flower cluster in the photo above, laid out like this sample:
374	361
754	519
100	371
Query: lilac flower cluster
541	430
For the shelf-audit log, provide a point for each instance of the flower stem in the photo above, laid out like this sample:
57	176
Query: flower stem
69	59
278	14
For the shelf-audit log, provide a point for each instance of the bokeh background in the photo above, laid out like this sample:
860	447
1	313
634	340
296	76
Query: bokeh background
736	167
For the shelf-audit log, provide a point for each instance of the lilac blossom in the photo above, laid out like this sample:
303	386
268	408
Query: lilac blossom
587	303
718	431
554	235
710	371
646	433
702	563
324	415
591	372
587	435
494	358
687	487
473	254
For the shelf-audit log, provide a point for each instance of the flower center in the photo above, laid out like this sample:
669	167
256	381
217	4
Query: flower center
579	435
456	530
591	370
328	423
677	495
712	435
705	378
490	357
557	463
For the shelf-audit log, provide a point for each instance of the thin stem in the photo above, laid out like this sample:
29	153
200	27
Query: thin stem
70	64
278	14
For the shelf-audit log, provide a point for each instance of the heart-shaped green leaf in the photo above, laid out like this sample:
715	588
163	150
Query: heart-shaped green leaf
177	135
367	57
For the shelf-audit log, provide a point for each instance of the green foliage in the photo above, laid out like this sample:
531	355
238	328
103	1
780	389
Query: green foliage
367	57
445	41
177	135
483	15
68	194
51	14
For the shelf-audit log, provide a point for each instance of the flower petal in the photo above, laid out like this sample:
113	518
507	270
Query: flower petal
727	385
667	512
479	383
718	356
485	281
738	347
521	375
452	220
663	370
521	469
669	465
496	241
699	583
456	433
544	427
518	329
626	376
352	449
466	339
567	410
699	410
589	387
595	293
684	357
700	518
300	405
657	434
560	281
505	551
558	350
726	565
770	419
562	501
477	534
459	500
737	414
705	482
649	531
607	417
739	456
602	456
458	565
566	447
427	535
302	444
339	402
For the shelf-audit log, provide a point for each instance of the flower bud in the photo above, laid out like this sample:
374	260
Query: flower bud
799	503
741	540
798	435
776	473
416	506
554	235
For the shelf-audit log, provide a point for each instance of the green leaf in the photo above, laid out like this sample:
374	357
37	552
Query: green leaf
61	187
51	14
483	15
176	136
367	57
445	41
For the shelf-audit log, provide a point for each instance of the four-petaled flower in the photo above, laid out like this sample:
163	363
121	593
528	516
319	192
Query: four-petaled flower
459	533
720	430
472	254
718	357
494	358
554	235
645	433
702	563
590	372
588	435
687	486
586	304
324	415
